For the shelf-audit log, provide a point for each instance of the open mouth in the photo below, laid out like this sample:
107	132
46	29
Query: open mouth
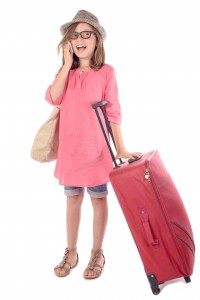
80	48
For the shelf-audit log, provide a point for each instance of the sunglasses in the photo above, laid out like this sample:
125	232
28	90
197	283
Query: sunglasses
83	34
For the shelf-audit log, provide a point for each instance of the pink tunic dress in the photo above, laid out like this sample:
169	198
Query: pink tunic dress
83	158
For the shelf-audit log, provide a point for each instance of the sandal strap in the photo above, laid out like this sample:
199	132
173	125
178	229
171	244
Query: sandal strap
62	264
93	264
95	267
70	249
65	257
97	253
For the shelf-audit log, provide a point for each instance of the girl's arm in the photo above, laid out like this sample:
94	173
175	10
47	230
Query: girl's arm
121	151
58	85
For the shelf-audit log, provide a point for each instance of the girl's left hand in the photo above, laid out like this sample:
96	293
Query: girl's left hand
126	154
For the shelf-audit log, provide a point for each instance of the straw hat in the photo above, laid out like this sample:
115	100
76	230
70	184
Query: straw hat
84	16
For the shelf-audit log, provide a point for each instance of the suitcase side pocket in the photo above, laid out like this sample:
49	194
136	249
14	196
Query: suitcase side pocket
184	237
186	247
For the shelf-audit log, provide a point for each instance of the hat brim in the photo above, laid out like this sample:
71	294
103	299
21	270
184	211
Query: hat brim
98	27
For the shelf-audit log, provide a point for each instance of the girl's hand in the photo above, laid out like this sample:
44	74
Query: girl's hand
68	55
126	154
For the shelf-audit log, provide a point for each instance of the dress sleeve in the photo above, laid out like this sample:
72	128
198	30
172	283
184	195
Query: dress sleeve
48	95
113	108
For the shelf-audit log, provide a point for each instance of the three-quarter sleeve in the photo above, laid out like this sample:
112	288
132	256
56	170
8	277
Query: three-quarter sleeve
48	97
113	108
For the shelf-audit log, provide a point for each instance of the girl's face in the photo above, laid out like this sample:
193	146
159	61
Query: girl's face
83	46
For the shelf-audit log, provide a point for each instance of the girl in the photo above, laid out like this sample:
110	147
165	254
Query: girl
83	158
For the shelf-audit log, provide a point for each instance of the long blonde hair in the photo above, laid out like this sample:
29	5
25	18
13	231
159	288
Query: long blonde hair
98	58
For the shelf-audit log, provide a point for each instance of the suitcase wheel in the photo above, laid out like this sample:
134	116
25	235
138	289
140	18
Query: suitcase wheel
155	290
153	284
187	279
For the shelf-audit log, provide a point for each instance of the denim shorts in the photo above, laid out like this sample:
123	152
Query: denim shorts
99	191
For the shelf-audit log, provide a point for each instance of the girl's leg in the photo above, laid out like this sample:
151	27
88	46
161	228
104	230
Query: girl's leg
100	218
73	215
73	219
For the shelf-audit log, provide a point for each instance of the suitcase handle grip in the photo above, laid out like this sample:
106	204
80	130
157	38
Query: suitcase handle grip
132	160
145	221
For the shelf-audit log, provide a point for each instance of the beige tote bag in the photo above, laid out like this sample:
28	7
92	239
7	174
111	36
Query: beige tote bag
45	143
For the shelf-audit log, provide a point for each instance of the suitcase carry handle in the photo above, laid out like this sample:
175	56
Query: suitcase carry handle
101	105
145	221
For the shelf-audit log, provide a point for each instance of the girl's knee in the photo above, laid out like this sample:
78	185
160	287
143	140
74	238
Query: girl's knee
99	201
75	200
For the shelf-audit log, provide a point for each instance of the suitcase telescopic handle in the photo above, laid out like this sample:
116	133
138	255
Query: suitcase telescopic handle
101	105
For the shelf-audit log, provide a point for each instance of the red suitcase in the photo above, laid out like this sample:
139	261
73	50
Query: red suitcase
155	214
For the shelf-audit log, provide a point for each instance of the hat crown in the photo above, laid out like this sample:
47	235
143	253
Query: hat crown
83	14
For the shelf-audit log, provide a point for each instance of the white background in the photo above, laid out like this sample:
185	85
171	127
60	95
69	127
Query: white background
154	46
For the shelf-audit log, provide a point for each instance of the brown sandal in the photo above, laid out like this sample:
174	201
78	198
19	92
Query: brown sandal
94	266
62	265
